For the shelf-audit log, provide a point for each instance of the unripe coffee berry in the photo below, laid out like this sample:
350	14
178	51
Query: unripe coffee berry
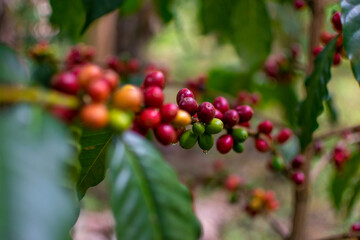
261	145
206	112
239	134
238	147
129	98
165	134
206	141
150	118
168	112
283	135
188	139
221	104
225	143
230	118
297	162
153	97
233	182
120	120
198	128
94	115
98	90
298	178
277	164
66	83
245	113
214	127
265	127
155	78
182	119
189	104
336	21
183	93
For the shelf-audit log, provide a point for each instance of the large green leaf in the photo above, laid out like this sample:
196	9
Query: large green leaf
164	9
33	156
147	199
12	67
351	31
317	93
94	145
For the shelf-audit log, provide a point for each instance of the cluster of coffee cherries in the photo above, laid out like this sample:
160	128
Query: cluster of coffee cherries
42	52
261	201
124	66
79	56
245	97
299	4
326	37
282	67
341	153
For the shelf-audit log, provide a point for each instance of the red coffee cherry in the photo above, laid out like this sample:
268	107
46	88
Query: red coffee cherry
221	104
168	112
218	165
65	114
153	97
271	68
265	127
149	118
299	4
298	178
230	118
183	93
283	135
98	90
261	145
133	65
218	114
233	182
165	134
336	59
317	50
206	112
297	162
355	227
336	22
112	78
94	115
225	143
189	104
155	78
326	37
245	113
66	83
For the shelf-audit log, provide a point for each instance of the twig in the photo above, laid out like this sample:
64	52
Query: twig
343	236
337	131
278	227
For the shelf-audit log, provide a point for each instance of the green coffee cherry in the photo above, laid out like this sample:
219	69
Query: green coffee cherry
239	134
214	127
120	120
198	128
278	163
188	139
206	141
238	147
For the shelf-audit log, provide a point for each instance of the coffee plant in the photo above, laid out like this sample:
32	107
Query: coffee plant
69	123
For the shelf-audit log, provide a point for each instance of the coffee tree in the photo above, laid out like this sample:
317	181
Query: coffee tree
66	123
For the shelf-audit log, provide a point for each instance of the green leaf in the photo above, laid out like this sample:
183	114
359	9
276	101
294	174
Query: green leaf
163	8
94	145
147	199
351	31
353	198
12	67
98	8
317	93
332	111
68	16
33	156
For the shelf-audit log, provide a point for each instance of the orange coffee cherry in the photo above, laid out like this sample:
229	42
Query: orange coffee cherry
94	115
89	73
128	97
182	119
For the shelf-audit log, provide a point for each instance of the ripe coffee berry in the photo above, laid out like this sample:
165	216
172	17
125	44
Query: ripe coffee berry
112	78
165	134
336	21
233	182
245	113
218	114
63	113
153	97
326	37
129	98
261	145
355	227
98	90
156	79
283	135
298	178
150	118
317	50
206	112
66	83
299	4
336	59
230	118
94	115
265	127
225	143
89	73
297	162
189	104
168	112
183	93
221	104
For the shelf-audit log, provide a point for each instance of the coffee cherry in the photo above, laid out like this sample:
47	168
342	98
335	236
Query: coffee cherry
218	165
98	90
94	115
283	135
221	104
165	134
182	119
233	182
89	73
183	93
319	146
298	178
336	59
206	112
239	134
218	114
133	65
120	120
336	22
111	78
65	114
128	98
198	128
150	118
245	113
206	141
299	4
238	147
153	97
139	129
214	127
188	139
355	227
189	104
326	37
155	78
317	50
265	127
261	145
224	143
230	118
168	112
277	164
271	68
297	162
66	83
